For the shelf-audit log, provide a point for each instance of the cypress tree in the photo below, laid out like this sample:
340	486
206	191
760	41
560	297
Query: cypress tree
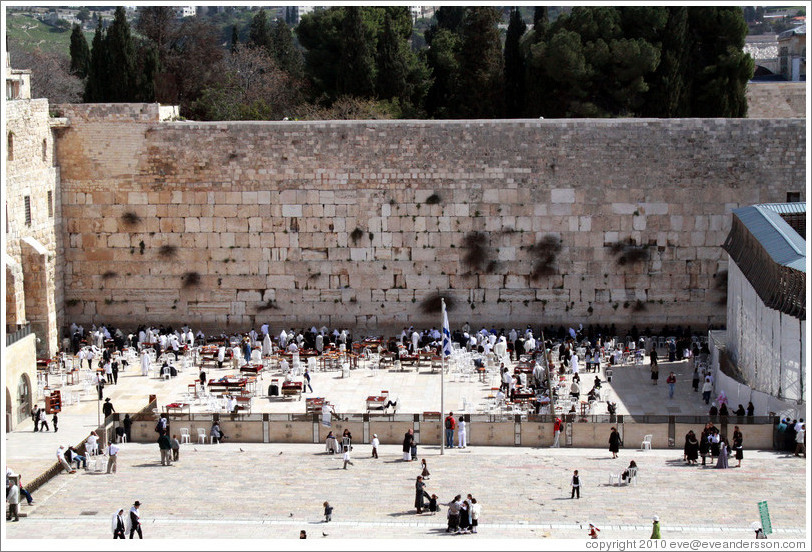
668	90
123	85
356	70
392	67
514	66
235	38
541	22
287	56
96	84
79	52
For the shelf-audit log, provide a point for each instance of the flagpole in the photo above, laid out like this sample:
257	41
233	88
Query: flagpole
442	384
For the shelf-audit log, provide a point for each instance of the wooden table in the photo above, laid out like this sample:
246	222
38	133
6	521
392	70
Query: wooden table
292	389
376	401
178	408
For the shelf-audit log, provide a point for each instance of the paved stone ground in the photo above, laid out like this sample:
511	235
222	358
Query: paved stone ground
269	491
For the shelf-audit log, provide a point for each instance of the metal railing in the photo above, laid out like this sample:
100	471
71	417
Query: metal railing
13	336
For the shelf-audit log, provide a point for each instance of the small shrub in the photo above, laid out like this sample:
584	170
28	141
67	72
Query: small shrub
268	305
477	253
544	253
433	199
109	274
72	302
639	306
141	246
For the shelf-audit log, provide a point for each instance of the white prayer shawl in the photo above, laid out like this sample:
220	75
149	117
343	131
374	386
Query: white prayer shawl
267	346
144	363
190	339
415	341
283	339
574	363
221	353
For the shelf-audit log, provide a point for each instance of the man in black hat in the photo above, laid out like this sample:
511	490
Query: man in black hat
135	520
108	407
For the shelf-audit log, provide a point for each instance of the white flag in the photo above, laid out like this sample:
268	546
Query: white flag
446	334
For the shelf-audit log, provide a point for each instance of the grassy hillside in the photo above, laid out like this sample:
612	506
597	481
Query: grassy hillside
29	33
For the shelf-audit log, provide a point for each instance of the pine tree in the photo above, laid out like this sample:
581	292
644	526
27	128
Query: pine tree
356	74
258	35
79	52
96	84
514	66
481	66
668	90
121	60
391	63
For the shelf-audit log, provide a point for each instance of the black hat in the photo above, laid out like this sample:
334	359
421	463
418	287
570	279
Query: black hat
137	503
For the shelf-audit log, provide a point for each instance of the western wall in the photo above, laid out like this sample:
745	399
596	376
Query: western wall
360	223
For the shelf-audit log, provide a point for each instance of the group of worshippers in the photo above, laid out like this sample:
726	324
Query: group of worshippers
791	436
463	514
712	444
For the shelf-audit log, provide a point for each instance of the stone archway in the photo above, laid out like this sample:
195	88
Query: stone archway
38	285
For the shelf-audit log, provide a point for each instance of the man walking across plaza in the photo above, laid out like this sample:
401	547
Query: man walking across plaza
671	380
112	458
450	426
135	520
306	384
166	448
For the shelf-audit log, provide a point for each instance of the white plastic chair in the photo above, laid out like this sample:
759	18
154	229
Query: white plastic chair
201	435
646	444
184	435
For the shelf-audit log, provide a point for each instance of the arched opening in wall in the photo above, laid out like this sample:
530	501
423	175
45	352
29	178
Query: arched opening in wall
10	146
44	150
9	421
23	398
39	308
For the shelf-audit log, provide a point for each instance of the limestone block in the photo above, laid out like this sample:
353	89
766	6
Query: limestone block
358	253
697	239
423	254
639	223
291	210
623	208
654	208
562	195
192	224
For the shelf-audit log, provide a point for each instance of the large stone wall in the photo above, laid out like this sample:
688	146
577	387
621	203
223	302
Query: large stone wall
355	223
776	99
34	292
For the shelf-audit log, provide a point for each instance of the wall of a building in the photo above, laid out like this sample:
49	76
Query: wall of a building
32	173
293	222
766	345
20	358
768	100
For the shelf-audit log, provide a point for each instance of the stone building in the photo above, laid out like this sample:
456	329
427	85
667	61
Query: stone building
33	246
792	54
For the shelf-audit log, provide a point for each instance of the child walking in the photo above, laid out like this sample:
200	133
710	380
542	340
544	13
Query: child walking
425	473
347	457
375	444
328	512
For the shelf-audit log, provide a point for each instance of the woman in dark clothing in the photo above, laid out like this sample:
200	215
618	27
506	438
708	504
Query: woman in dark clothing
614	442
691	448
723	410
695	381
750	409
419	493
704	444
465	520
407	446
737	445
739	411
128	423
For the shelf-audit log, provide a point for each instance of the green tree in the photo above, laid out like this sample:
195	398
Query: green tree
722	67
79	52
288	57
235	38
514	66
319	32
541	22
96	84
481	68
442	60
668	93
146	73
391	64
259	35
83	14
121	59
356	74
